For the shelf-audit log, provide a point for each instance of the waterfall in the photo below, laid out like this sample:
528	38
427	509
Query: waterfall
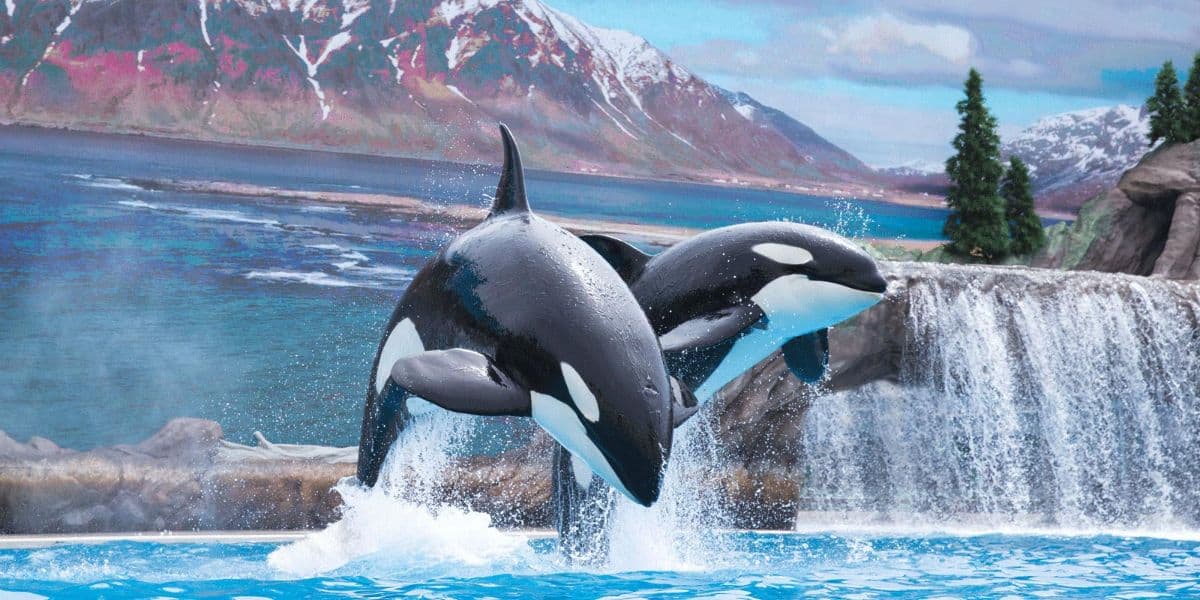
1024	398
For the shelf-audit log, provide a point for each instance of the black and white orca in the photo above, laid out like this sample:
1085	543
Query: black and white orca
519	317
722	302
726	299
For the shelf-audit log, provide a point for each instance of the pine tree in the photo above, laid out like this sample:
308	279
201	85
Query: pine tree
1024	226
1166	108
976	224
1191	99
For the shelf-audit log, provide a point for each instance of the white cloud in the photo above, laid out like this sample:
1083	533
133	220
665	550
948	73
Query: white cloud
881	35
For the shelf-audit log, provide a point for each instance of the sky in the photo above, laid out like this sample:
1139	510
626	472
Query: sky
880	79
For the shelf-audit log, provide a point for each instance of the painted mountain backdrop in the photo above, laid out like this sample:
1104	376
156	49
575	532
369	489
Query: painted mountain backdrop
418	78
1074	155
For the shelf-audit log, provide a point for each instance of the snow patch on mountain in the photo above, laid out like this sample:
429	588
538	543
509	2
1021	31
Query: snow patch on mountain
812	147
1082	150
913	168
203	22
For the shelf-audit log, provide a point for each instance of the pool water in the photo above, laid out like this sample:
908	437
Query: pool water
747	565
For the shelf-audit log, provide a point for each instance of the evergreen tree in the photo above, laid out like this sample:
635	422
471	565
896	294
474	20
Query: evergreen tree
1191	99
1024	226
976	224
1166	108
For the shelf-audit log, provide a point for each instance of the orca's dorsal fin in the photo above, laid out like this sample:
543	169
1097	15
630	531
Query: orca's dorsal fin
626	260
510	193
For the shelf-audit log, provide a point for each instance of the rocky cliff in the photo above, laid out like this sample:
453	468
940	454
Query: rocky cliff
1149	224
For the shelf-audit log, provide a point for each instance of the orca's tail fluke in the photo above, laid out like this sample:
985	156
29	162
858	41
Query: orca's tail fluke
510	194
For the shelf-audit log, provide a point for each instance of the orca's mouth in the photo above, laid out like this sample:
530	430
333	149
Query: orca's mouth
875	287
871	282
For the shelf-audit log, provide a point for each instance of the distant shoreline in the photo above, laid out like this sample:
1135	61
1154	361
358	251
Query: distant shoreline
860	191
463	215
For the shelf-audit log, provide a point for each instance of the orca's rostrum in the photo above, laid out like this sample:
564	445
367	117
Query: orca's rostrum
517	316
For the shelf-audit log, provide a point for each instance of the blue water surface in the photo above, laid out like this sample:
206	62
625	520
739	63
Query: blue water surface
124	307
752	565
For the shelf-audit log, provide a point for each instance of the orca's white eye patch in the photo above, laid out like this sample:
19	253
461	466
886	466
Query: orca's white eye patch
583	397
784	253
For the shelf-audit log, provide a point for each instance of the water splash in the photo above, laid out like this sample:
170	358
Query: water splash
1029	399
850	219
680	532
402	525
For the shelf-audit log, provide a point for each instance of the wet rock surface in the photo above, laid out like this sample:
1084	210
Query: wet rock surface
186	477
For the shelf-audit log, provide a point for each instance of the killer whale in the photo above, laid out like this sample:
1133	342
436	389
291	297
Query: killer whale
723	301
726	299
519	317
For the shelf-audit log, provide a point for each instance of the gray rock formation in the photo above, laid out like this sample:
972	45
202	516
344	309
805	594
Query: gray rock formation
1149	224
185	477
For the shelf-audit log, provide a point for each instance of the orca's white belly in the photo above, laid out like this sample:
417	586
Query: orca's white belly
794	305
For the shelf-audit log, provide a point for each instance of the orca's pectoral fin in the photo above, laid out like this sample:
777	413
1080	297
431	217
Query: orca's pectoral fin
683	403
711	329
626	260
807	356
461	381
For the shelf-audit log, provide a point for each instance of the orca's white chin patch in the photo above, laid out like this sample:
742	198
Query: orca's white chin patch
793	305
796	305
563	424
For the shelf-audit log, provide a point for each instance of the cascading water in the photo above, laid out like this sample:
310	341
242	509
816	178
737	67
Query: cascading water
677	532
1025	398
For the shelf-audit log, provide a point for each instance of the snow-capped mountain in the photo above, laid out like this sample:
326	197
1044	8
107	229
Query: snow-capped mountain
425	78
826	159
1074	155
913	168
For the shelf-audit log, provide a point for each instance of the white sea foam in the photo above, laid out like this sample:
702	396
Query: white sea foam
203	214
7	595
308	277
376	274
110	183
230	216
137	204
321	208
400	527
355	256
